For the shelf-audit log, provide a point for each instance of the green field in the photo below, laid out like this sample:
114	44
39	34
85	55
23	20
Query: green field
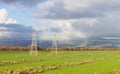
65	62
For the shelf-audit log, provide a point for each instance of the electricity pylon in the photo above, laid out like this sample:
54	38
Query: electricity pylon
54	44
34	45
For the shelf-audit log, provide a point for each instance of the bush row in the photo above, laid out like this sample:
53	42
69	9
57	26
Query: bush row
65	48
3	63
43	68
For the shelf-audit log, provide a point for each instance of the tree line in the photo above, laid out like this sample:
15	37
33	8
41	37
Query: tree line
63	48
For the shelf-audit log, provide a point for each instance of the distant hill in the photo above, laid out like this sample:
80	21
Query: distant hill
89	42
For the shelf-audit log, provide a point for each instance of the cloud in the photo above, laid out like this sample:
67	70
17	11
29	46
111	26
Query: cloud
80	28
5	18
10	29
21	3
62	28
100	26
15	31
57	29
67	9
79	19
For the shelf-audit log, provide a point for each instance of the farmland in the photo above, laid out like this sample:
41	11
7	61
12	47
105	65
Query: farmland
65	62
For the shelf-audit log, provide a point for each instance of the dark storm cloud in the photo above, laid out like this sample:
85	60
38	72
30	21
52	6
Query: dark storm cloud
22	3
94	9
15	31
16	28
59	12
67	15
106	6
104	26
58	30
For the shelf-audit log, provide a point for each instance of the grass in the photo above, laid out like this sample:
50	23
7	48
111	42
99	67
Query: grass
110	61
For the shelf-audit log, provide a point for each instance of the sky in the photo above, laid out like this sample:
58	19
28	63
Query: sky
68	19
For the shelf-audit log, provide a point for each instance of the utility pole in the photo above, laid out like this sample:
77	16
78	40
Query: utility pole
54	44
34	45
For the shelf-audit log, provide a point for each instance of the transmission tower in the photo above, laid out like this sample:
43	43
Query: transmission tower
54	44
34	45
